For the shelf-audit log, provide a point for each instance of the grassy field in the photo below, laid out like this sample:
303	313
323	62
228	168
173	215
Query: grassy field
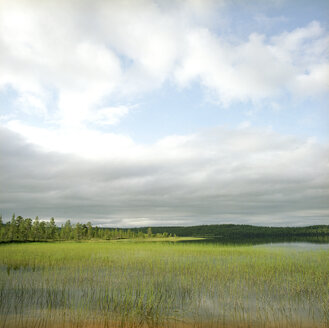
161	284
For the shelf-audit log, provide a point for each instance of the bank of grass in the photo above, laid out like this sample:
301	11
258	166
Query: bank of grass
154	239
143	284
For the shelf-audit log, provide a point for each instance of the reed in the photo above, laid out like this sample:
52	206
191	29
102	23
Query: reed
161	284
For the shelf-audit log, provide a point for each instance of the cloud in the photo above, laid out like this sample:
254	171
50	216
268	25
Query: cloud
109	115
78	140
75	68
219	175
87	54
260	68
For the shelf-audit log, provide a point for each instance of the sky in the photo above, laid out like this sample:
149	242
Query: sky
158	113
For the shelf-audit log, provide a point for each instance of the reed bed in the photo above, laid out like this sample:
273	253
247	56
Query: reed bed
139	284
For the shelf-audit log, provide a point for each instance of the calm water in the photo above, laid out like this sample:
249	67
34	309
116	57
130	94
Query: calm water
299	243
303	246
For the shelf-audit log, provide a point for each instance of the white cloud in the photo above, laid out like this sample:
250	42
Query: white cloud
109	115
260	68
77	140
244	125
313	82
32	104
88	52
290	43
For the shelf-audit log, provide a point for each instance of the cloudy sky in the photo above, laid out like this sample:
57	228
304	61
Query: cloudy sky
155	112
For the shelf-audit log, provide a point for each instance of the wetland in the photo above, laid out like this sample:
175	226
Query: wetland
133	283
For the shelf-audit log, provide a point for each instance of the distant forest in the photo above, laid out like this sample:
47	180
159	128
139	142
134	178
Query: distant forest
20	229
230	230
25	229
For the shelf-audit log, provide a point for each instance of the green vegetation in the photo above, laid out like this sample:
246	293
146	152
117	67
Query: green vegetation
139	284
22	230
116	279
241	230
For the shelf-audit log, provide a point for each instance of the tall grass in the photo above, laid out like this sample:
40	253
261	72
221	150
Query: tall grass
138	284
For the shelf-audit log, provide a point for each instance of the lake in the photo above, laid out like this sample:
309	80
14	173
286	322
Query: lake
289	242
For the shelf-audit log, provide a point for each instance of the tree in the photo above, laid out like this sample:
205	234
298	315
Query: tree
149	232
108	234
67	230
3	235
42	230
84	231
89	230
36	229
96	232
13	231
22	229
28	227
78	231
52	229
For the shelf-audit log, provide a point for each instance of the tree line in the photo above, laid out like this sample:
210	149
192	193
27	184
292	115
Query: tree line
242	230
25	229
20	229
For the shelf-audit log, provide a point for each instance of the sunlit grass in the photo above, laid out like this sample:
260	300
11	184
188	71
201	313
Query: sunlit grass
136	284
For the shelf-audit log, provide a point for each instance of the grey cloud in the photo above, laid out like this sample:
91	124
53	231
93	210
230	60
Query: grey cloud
240	176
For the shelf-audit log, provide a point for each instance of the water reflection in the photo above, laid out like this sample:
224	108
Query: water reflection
302	246
302	242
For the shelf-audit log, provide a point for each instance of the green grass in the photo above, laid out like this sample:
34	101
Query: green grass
142	284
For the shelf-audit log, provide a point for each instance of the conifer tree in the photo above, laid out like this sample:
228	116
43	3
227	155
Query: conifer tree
42	230
52	229
36	229
78	231
22	229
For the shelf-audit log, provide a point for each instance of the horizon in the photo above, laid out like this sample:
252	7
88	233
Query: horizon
134	113
62	222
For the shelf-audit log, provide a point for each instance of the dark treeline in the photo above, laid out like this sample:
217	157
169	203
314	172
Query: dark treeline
20	229
26	229
240	230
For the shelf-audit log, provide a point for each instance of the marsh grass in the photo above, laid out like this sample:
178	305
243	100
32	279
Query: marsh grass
139	284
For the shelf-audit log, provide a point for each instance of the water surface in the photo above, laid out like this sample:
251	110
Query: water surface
302	243
302	246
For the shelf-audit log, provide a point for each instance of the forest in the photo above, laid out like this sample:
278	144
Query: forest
20	229
241	230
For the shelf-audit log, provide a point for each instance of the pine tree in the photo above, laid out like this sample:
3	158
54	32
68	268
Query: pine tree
52	229
78	231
